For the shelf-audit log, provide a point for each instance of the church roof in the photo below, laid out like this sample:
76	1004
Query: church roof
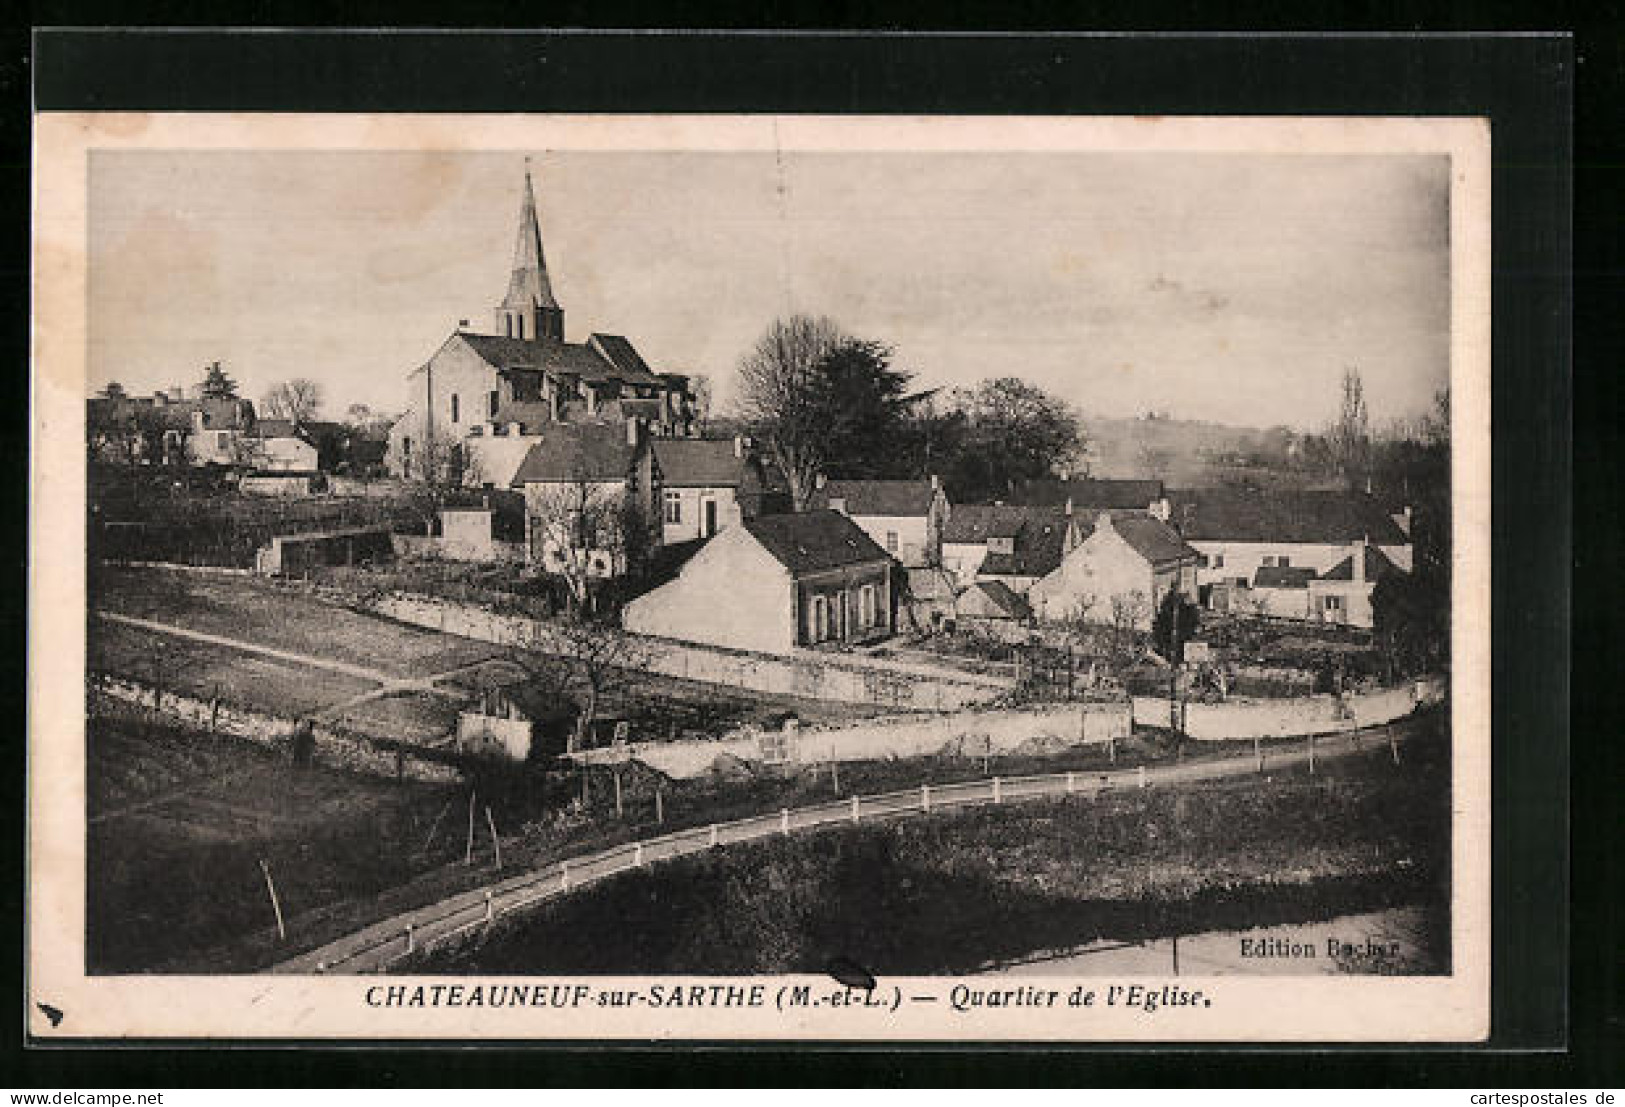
529	286
565	358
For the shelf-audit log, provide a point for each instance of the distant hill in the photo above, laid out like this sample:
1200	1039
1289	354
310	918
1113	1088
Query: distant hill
1184	453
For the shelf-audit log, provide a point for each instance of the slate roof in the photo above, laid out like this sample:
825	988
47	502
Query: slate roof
1089	493
808	541
1038	548
577	359
895	498
699	463
276	428
588	452
1377	566
1331	518
623	355
992	599
974	524
531	415
1283	576
1153	539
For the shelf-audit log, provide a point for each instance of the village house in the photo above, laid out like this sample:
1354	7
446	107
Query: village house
482	400
166	428
1342	594
280	446
708	484
1115	564
906	517
774	584
1016	545
1239	532
991	607
590	499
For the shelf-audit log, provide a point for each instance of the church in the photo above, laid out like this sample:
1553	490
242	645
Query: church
483	400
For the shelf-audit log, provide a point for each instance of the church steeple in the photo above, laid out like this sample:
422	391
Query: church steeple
529	310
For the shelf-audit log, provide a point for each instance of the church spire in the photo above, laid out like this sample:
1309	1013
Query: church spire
529	310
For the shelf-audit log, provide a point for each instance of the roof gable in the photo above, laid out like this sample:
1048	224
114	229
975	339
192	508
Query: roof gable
809	541
596	453
896	498
1377	566
1322	518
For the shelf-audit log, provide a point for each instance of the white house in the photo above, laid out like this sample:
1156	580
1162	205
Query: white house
280	446
1239	532
775	583
1342	594
1119	561
906	518
708	484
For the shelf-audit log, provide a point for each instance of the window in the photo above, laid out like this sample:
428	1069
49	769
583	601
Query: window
406	446
1218	561
891	541
1333	603
492	402
1283	562
674	507
222	440
454	406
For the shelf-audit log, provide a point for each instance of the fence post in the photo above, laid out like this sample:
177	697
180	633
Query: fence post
1071	784
564	875
1258	751
411	940
713	837
1142	776
784	820
998	791
855	800
637	854
489	914
660	806
1393	745
1311	755
925	797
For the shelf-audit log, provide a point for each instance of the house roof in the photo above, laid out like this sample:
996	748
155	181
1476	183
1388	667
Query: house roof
1283	576
565	358
1321	517
1153	539
1039	546
974	524
699	463
1377	566
930	584
276	428
1089	492
900	498
808	541
991	599
620	352
585	452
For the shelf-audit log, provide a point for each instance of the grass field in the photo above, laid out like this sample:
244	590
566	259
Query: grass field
180	820
205	670
949	893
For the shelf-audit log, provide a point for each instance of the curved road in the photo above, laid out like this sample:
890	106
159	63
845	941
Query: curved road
378	947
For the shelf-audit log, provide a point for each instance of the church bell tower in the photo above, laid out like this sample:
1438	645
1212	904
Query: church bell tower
529	310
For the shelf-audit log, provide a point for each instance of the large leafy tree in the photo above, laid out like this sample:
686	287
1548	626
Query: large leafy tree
1003	432
867	403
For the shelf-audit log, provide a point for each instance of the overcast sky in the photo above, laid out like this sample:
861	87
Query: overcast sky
1233	288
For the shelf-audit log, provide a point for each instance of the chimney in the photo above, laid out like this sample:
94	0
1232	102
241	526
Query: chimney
634	431
1359	561
936	483
739	446
1069	507
838	503
160	398
1161	509
462	324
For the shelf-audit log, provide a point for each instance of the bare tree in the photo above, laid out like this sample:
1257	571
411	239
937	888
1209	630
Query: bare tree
586	530
781	393
601	659
1350	437
297	400
1129	612
701	388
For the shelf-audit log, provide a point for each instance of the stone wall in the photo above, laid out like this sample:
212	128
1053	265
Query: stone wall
1239	720
335	747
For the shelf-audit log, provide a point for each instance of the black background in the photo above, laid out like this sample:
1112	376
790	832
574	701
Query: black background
1524	84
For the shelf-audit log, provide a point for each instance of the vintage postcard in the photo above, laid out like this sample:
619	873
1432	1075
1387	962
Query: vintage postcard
760	578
